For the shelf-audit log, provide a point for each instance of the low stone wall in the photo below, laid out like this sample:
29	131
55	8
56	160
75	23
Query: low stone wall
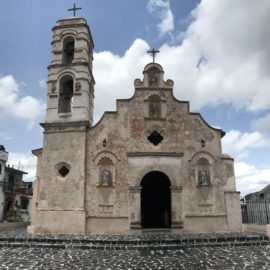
12	225
257	228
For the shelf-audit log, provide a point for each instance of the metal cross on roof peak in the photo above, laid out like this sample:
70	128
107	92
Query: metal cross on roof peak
153	52
74	9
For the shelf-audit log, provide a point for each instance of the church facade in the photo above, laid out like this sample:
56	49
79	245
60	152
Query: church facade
150	164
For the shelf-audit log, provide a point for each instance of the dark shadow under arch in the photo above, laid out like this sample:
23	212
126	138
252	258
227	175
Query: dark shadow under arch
155	200
65	94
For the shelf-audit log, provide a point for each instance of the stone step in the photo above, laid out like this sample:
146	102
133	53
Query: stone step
146	239
130	247
133	240
129	244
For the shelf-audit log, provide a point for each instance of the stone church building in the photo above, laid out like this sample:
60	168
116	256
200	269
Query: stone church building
150	164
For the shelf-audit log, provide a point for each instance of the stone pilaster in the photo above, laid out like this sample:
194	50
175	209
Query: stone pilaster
176	207
135	207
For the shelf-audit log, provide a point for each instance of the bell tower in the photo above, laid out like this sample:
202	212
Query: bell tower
70	79
60	201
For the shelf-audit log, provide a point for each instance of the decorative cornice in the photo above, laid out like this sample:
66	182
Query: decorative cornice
37	152
74	25
62	127
65	124
154	119
231	191
61	209
155	154
194	215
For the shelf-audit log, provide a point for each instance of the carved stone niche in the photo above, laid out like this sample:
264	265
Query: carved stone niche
106	172
205	207
153	77
154	107
203	172
78	86
105	210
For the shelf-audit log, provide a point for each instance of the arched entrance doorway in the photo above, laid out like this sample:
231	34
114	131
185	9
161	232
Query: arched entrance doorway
155	200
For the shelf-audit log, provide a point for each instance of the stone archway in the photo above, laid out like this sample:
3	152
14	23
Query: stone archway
155	200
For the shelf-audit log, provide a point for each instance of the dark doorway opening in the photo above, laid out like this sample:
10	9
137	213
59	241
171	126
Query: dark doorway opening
156	200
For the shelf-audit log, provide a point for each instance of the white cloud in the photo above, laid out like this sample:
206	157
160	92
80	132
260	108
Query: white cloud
239	144
161	8
25	162
114	75
249	178
13	104
243	169
262	124
234	53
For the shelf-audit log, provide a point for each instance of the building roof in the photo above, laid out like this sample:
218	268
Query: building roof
15	170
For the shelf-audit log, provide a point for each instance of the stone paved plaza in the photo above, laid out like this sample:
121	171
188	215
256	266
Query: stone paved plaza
245	257
18	250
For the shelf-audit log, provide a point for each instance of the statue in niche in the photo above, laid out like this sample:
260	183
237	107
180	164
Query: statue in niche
154	109
78	86
106	178
203	177
153	80
53	87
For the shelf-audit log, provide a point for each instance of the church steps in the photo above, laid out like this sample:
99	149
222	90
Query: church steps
136	241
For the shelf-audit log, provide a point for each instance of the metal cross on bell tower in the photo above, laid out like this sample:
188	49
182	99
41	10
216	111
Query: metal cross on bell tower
153	52
74	9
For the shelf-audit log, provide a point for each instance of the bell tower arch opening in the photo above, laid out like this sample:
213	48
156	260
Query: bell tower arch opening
65	94
68	50
155	200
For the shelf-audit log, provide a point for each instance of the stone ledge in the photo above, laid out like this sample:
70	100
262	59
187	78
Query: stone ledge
155	154
188	215
13	225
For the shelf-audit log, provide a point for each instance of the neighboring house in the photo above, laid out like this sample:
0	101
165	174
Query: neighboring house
259	195
3	160
15	195
256	206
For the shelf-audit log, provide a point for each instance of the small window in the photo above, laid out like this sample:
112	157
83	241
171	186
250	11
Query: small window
68	50
65	94
0	168
63	171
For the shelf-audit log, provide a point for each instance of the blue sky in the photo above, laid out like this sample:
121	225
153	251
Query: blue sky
217	52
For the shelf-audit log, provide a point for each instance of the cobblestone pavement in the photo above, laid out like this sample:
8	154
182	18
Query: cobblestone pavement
218	258
139	250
